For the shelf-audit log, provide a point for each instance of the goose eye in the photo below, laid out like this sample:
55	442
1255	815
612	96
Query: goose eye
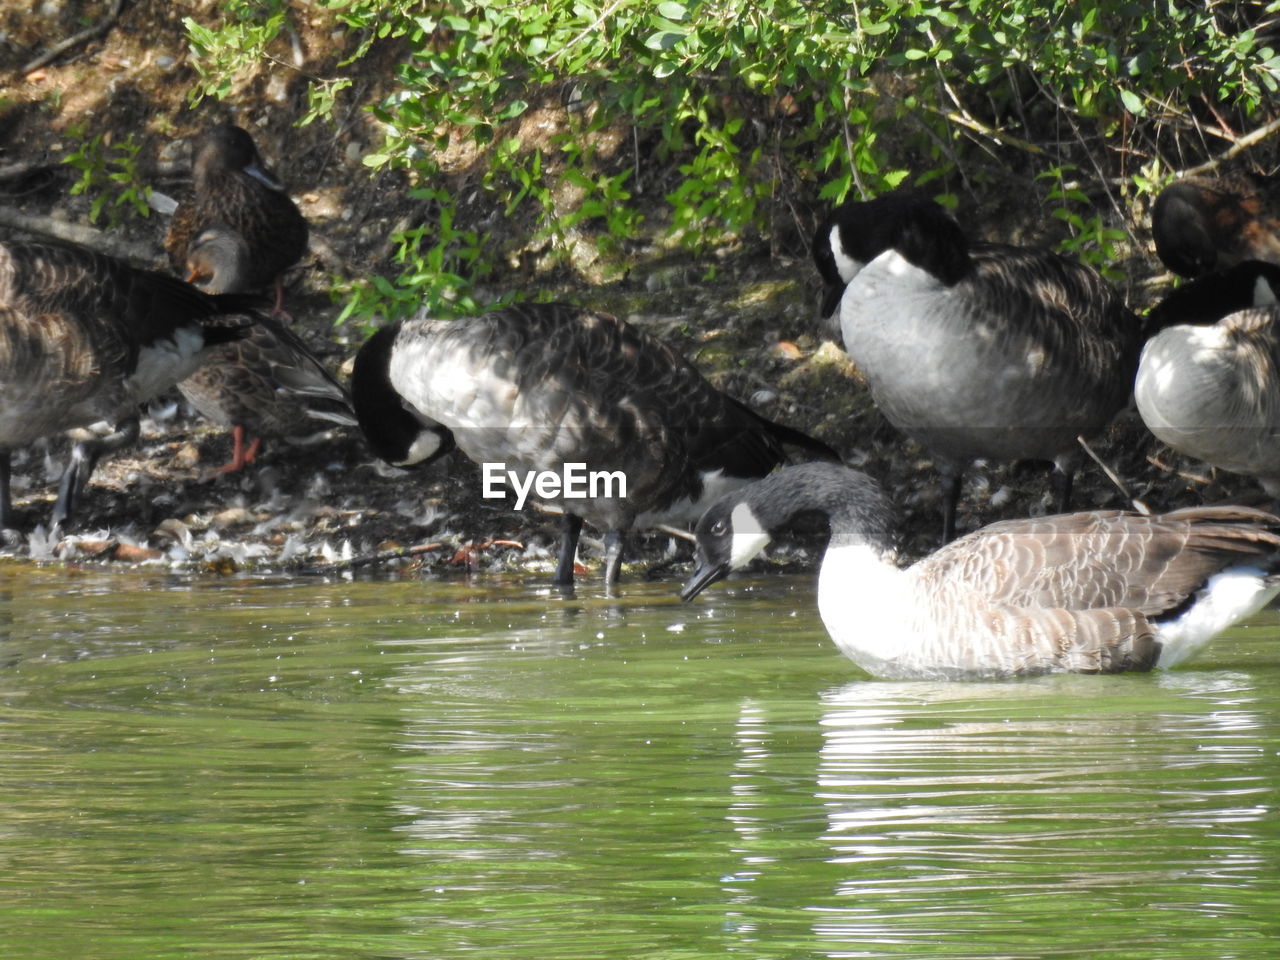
719	528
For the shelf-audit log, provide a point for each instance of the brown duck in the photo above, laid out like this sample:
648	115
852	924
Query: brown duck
233	187
267	384
1202	224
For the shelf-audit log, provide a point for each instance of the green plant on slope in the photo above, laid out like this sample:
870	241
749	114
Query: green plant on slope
747	117
109	175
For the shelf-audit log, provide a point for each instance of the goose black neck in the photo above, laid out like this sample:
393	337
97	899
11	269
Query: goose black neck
388	426
921	231
855	506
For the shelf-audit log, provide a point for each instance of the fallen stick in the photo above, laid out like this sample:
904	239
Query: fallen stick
368	559
85	35
76	233
401	553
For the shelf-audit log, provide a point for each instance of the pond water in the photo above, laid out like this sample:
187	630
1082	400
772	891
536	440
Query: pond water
192	766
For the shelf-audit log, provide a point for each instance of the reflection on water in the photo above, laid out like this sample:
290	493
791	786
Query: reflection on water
1125	817
435	770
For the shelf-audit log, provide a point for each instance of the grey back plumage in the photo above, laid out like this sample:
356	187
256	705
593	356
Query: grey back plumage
1211	390
977	350
538	385
1025	352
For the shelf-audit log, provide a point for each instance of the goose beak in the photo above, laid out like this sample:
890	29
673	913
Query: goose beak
704	576
832	293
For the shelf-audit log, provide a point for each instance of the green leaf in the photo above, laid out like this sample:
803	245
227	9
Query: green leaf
663	40
1132	102
672	10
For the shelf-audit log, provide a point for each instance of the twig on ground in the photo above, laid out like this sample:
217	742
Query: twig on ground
368	559
85	35
1114	477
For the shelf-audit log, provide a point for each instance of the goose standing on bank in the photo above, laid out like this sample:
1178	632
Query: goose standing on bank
1208	383
86	338
1099	592
268	384
231	186
534	387
976	350
1203	224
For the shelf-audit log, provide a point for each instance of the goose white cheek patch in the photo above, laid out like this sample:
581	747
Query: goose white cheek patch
749	538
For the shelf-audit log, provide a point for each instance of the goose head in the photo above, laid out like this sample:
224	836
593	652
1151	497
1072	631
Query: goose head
225	147
735	528
218	260
857	232
398	434
1213	296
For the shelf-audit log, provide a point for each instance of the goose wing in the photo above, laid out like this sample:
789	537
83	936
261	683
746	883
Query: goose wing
1068	309
122	309
1104	560
540	385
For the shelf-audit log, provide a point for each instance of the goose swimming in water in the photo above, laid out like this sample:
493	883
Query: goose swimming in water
1203	224
86	338
1208	383
233	187
268	384
533	387
976	350
1098	592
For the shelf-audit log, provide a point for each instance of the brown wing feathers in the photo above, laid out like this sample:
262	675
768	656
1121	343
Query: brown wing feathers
1153	565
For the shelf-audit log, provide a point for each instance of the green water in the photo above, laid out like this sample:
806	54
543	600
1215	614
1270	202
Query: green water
212	768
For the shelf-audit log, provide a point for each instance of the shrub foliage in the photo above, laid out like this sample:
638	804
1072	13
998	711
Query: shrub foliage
744	118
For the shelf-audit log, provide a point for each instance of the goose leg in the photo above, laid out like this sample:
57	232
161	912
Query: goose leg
950	502
570	529
84	457
612	558
6	504
1060	481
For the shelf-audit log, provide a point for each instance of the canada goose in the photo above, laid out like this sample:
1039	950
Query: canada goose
232	186
977	350
86	338
1100	592
1202	224
534	387
267	384
1208	384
